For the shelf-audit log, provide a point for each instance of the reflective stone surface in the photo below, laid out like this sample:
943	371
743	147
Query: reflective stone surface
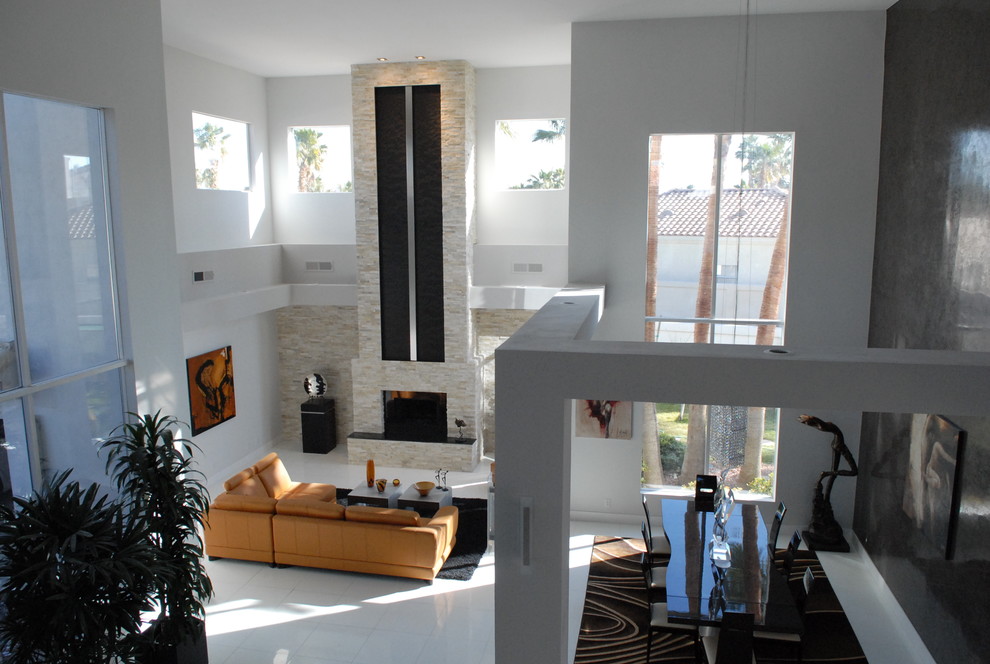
931	290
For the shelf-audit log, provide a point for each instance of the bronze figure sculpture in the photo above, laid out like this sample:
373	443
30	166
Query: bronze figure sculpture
825	533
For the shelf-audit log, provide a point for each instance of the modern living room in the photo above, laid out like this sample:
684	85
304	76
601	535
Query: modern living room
847	294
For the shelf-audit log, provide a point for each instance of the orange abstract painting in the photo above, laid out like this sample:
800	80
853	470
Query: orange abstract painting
211	389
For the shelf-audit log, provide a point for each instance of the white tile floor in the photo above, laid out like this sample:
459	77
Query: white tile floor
298	615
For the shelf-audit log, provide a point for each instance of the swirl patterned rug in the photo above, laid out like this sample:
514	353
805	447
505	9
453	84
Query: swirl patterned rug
614	623
615	620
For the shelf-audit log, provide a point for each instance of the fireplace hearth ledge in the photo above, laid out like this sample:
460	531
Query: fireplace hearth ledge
453	454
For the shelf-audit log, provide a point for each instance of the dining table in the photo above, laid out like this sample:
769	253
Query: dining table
702	587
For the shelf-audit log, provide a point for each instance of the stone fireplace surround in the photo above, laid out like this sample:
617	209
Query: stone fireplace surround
459	374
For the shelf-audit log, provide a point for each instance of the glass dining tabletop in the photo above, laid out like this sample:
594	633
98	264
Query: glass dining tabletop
699	592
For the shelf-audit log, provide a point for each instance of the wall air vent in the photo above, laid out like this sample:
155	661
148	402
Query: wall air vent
319	266
527	267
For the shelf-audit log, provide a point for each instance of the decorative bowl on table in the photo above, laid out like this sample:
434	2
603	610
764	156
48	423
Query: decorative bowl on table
424	488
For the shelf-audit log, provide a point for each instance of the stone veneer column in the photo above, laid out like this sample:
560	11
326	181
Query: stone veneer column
458	376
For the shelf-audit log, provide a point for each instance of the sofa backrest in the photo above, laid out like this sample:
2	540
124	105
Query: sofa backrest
307	507
241	503
273	475
245	483
368	514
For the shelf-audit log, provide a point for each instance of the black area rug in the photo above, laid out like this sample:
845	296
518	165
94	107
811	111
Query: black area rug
614	622
472	537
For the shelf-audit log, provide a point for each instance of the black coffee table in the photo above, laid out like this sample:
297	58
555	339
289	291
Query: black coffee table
426	505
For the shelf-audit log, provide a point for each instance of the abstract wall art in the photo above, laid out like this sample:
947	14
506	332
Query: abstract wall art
211	389
603	419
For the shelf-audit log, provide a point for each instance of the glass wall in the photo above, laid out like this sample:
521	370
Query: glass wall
61	362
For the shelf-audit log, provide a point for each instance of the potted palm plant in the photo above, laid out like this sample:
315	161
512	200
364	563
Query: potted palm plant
153	469
77	574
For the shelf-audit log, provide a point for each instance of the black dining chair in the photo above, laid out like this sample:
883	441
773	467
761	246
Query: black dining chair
657	545
801	593
732	643
786	558
658	612
778	518
655	577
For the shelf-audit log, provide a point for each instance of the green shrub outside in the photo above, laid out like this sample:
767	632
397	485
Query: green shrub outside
671	453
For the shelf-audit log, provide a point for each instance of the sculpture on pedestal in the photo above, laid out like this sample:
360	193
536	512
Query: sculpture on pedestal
825	533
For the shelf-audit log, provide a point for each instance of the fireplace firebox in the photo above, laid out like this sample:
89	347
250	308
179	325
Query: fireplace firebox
415	416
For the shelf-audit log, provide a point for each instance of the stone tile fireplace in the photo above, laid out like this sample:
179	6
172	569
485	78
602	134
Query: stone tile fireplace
400	230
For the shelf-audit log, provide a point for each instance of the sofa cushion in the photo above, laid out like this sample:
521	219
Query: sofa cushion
310	507
367	514
233	501
273	475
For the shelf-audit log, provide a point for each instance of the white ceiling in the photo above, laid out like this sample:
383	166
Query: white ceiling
315	37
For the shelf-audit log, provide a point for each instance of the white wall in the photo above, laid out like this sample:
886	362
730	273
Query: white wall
307	218
229	233
519	217
108	53
256	424
206	219
819	75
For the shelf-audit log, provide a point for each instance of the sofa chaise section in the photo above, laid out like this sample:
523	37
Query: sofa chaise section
239	521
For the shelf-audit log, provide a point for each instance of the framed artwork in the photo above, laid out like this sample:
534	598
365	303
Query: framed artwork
931	488
211	389
603	419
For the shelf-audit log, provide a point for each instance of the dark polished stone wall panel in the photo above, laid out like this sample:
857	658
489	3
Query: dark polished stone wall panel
931	290
428	205
393	220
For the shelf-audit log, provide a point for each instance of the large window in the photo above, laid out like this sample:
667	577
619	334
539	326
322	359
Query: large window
717	228
61	382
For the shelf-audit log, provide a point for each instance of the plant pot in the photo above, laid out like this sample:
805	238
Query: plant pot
190	651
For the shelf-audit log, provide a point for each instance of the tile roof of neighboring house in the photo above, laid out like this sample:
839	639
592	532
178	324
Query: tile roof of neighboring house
745	212
81	224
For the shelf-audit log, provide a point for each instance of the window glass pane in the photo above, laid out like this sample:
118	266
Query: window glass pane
530	154
9	369
220	149
15	464
60	219
320	159
697	439
73	419
719	256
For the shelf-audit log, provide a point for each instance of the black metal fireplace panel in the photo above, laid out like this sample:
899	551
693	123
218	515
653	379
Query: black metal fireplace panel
410	208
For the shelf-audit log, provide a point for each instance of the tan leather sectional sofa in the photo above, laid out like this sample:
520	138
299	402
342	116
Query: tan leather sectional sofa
264	516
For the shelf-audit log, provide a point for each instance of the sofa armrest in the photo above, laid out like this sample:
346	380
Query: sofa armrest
238	503
446	520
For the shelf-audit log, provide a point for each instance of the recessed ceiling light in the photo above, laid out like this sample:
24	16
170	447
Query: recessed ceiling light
382	59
